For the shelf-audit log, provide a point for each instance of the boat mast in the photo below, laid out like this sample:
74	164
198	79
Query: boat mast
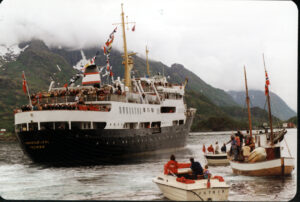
269	106
248	103
148	72
127	71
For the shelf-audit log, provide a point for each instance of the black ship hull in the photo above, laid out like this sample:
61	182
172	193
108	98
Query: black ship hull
104	146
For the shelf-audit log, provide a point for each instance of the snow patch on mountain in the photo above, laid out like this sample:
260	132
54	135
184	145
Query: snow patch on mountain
10	53
80	64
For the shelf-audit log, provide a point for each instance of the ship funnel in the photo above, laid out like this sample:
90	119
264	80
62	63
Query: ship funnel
91	76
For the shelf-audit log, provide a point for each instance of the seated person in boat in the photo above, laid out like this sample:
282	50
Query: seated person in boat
171	168
210	149
196	168
206	172
217	148
223	148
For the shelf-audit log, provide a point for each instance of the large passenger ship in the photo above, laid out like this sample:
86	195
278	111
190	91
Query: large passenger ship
98	123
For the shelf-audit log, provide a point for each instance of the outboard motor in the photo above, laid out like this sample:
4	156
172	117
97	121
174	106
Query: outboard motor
91	76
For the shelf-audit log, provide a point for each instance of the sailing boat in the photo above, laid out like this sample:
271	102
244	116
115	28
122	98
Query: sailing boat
265	160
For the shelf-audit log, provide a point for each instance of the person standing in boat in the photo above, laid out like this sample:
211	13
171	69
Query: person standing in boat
238	147
241	136
250	142
171	168
233	148
196	168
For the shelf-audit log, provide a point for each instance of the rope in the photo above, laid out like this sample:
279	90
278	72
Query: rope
189	190
287	147
196	195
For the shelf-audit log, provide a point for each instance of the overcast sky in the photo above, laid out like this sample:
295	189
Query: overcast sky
214	39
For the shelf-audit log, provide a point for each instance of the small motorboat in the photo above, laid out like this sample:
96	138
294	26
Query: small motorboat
181	189
219	159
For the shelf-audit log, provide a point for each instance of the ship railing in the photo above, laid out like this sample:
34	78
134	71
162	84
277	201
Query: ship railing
86	98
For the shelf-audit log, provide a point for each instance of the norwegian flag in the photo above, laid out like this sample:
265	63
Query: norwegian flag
24	84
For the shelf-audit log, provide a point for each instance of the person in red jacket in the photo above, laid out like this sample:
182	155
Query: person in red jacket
211	149
172	166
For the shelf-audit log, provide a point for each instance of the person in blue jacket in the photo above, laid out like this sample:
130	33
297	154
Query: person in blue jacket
196	168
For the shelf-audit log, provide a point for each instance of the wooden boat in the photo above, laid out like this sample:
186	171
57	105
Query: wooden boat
275	167
219	159
192	190
273	164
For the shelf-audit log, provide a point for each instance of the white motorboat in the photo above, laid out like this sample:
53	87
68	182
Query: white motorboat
192	190
219	159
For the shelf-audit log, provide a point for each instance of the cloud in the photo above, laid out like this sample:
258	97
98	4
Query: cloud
214	39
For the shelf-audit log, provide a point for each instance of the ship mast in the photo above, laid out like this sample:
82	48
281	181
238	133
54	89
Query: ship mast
127	70
269	107
148	72
248	103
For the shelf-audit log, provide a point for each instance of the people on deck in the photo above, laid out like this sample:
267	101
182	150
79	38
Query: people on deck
196	168
217	148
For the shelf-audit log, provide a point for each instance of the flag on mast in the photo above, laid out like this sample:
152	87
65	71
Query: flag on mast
24	84
267	79
267	84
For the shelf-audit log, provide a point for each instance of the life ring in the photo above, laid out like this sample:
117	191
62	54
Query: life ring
34	101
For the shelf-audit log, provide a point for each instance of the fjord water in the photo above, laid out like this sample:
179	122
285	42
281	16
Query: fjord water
22	179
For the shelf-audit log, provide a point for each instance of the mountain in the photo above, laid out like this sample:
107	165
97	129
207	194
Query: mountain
39	64
216	110
258	99
177	72
10	53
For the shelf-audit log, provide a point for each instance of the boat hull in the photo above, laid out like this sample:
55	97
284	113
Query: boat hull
101	146
198	191
217	159
275	167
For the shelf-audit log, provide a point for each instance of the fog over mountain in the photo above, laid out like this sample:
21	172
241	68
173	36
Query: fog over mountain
214	39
